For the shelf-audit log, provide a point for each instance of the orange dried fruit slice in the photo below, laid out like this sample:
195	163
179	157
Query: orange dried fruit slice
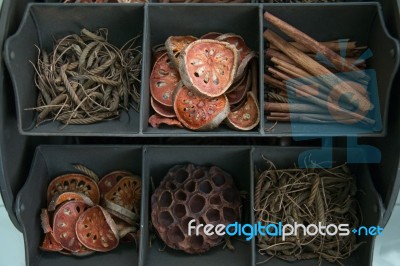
208	66
50	244
175	45
73	183
162	110
247	117
156	120
211	35
163	80
67	196
110	180
96	230
245	53
127	193
45	221
64	221
197	112
239	92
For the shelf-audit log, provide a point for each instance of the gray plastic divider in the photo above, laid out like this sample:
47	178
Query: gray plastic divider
158	21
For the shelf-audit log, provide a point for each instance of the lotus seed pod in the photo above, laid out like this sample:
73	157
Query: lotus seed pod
206	194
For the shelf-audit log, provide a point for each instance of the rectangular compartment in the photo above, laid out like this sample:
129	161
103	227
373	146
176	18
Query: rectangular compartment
369	200
157	161
52	161
164	20
361	22
44	23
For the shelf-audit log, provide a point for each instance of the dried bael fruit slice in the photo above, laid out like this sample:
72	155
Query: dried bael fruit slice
158	51
73	183
211	35
175	45
64	224
208	66
197	112
245	53
162	110
83	252
67	196
50	244
96	230
156	120
45	221
110	180
122	213
163	80
126	193
247	117
240	91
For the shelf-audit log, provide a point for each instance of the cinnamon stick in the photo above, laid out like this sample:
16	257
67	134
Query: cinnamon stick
336	46
308	118
340	63
293	108
274	82
319	72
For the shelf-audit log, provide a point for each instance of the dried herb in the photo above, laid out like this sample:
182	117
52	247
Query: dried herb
86	80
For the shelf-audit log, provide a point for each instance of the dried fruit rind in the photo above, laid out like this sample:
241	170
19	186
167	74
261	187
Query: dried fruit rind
163	80
73	183
247	117
198	112
208	66
96	230
175	45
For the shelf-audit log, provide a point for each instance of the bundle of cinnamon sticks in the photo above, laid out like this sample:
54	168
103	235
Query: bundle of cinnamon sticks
310	81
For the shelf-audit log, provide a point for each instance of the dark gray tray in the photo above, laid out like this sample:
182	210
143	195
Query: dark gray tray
153	162
361	22
52	161
158	21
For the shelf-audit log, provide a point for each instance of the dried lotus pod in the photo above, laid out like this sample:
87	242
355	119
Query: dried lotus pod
64	221
67	196
208	66
198	112
96	230
175	45
206	194
246	117
110	180
163	80
73	183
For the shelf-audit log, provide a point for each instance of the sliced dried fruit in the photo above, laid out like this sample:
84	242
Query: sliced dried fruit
245	53
162	110
45	221
67	196
240	91
158	51
175	45
156	120
110	180
163	80
73	183
208	66
64	224
50	244
198	112
211	35
126	193
96	230
247	117
84	251
122	213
